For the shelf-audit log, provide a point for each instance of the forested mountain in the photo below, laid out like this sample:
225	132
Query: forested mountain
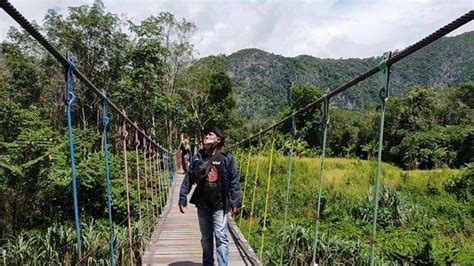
262	79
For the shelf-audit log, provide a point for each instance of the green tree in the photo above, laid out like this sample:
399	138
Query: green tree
98	43
455	105
210	96
308	123
175	36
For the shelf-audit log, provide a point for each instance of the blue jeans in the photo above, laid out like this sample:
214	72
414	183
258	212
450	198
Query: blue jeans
213	224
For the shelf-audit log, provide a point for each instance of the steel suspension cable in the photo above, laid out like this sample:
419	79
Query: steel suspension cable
164	175
254	191
157	181
245	183
267	193
137	168
325	121
383	94
164	180
288	182
155	193
160	179
68	100
160	183
151	178
146	176
162	186
150	181
105	124
125	162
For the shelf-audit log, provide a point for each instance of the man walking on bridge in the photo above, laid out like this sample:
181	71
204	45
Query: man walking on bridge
214	172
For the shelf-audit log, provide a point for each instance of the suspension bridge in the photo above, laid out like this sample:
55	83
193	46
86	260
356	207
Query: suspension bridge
174	238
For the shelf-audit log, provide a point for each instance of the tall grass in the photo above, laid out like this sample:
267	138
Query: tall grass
418	221
56	245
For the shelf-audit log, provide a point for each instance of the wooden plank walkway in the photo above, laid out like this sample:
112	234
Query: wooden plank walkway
176	239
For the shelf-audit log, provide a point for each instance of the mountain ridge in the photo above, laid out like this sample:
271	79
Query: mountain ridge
262	79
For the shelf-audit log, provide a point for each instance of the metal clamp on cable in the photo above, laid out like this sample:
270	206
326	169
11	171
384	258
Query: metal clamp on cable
150	150
384	76
69	89
326	117
137	141
144	146
105	118
124	126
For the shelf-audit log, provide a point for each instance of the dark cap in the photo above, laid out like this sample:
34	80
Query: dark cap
216	131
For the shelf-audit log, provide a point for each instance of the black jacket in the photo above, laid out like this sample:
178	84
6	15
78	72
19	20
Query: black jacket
229	178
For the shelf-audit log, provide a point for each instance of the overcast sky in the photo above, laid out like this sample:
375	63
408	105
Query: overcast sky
323	28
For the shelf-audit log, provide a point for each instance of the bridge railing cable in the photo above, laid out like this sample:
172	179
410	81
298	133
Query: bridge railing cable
105	125
68	100
124	135
127	248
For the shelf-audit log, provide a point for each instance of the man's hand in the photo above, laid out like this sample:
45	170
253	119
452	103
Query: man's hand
234	210
182	209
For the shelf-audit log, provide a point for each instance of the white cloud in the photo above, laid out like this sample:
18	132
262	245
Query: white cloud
331	28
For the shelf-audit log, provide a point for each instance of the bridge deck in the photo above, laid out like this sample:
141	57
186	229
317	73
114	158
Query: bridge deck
176	239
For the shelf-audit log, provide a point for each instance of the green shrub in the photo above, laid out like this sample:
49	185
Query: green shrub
462	187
